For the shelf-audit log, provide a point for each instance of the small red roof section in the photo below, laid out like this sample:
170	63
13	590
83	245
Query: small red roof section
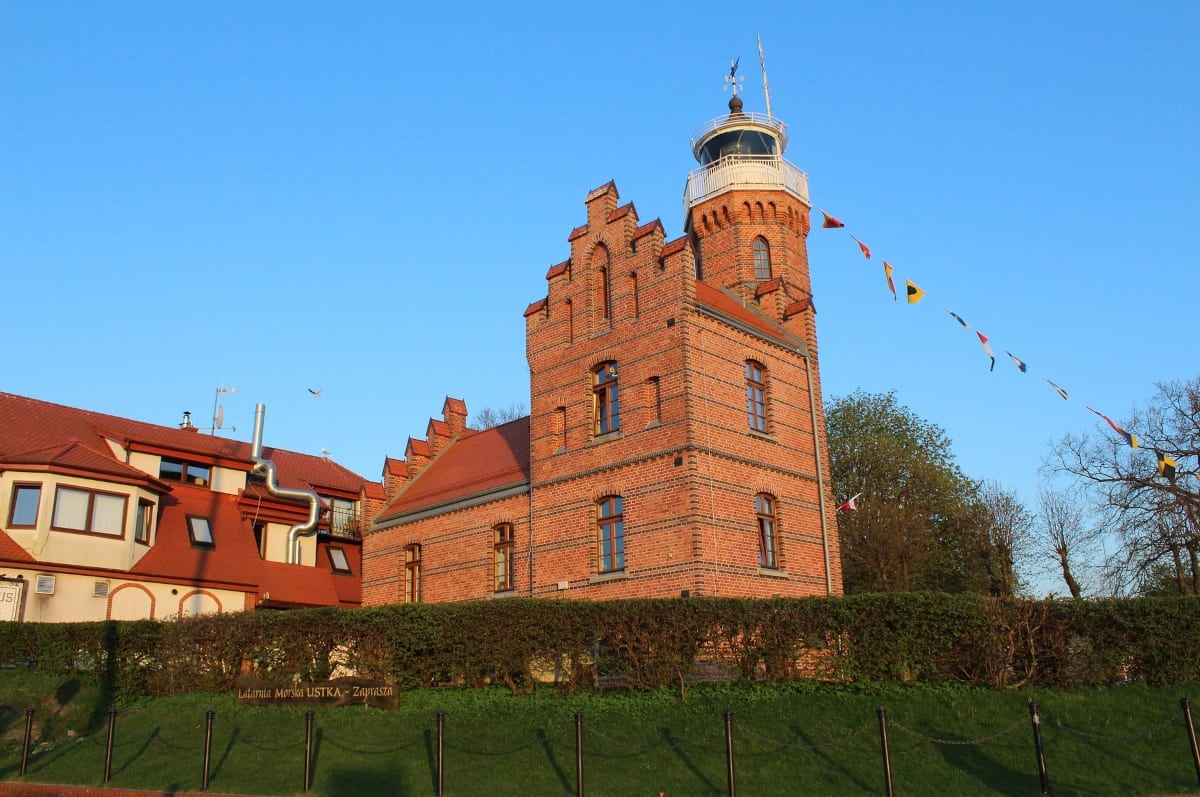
622	212
488	460
11	552
730	306
558	270
596	193
374	490
578	232
297	585
647	228
672	247
536	307
770	286
456	406
799	306
419	447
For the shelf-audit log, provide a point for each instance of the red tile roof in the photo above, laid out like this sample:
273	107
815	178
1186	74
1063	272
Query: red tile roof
561	268
768	287
535	307
622	211
28	425
648	228
672	247
577	232
487	460
11	552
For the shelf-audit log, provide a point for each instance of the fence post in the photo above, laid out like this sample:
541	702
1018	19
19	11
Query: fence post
208	725
1036	721
308	736
441	753
881	712
578	754
28	740
729	753
112	729
1186	705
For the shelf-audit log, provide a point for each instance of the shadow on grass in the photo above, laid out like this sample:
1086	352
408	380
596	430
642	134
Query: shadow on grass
138	753
823	756
361	782
675	747
567	786
992	775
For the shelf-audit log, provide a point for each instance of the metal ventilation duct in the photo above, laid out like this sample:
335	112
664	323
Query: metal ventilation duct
266	469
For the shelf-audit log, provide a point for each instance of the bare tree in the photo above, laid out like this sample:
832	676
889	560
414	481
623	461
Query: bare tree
487	417
1155	517
1064	536
1004	537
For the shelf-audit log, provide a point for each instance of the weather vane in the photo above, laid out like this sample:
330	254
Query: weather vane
732	81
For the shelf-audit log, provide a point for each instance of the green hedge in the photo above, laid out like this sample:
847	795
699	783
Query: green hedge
640	643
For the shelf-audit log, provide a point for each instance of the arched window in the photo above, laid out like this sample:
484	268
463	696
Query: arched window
762	259
610	528
756	396
605	406
603	283
412	574
502	546
768	542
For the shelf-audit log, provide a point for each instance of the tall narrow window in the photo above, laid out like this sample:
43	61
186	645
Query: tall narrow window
610	522
503	549
602	306
570	307
606	407
605	296
762	259
633	291
768	544
756	396
412	574
25	501
560	428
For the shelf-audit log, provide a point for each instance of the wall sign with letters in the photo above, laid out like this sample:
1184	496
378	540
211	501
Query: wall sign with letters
347	691
12	590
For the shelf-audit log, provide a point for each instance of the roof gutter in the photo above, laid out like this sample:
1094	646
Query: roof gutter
266	469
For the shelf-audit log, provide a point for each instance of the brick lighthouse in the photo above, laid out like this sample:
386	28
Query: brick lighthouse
675	444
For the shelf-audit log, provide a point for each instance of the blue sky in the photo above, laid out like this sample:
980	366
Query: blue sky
362	198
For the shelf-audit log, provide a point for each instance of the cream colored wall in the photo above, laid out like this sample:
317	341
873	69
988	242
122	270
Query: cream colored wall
65	547
147	463
227	480
275	542
73	601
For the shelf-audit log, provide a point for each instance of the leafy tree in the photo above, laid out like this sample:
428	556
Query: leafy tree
1155	519
920	523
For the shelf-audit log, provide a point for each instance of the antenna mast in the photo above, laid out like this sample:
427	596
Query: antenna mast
762	62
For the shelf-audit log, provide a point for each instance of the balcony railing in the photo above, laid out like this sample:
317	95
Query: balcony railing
344	523
770	172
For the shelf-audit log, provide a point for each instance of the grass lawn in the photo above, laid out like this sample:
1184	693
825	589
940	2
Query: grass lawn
789	740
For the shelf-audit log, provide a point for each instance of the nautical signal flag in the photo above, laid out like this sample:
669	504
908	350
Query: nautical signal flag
1060	391
1020	363
984	340
915	294
866	252
830	222
887	272
957	317
1131	439
1166	466
850	504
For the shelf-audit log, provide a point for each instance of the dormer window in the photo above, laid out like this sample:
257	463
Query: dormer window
338	560
176	470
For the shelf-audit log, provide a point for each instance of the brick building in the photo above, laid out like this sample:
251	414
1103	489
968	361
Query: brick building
675	444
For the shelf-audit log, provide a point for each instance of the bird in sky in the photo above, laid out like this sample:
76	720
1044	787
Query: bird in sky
315	393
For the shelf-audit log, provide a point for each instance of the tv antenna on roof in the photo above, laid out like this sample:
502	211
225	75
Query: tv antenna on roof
218	416
762	62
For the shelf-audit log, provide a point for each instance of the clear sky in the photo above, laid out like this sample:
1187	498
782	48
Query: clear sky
362	198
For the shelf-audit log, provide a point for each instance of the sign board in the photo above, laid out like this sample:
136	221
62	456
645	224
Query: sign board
335	692
12	590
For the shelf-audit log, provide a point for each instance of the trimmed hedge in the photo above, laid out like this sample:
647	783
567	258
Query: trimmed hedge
924	637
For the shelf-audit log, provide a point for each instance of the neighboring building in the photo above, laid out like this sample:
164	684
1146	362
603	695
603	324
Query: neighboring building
676	439
109	518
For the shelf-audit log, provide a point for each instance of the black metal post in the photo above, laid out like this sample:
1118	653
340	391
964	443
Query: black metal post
1036	721
208	723
881	712
441	753
308	737
578	754
1184	703
112	729
729	753
29	738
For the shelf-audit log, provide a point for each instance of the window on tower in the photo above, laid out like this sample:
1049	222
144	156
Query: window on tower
610	526
756	396
605	405
762	259
768	542
502	543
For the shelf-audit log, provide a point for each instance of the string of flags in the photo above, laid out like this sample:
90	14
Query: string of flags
1167	465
